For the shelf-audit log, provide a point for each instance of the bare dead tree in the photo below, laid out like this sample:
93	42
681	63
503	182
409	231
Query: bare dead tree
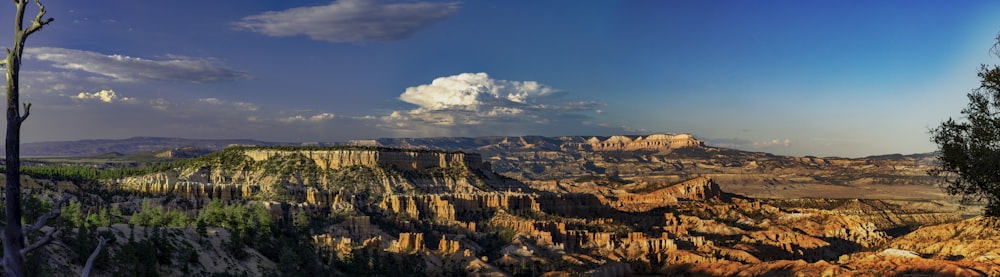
93	257
13	235
15	245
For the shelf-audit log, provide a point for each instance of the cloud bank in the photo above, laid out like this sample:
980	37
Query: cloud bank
353	21
121	68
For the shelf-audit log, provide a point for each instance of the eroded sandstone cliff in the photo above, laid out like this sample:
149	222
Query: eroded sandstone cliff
449	213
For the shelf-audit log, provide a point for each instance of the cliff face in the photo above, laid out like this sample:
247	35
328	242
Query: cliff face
320	175
971	239
400	160
654	142
457	217
669	158
697	189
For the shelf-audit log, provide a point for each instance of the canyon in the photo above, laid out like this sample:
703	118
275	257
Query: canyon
568	206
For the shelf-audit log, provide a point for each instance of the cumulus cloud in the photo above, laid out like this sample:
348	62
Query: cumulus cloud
353	21
471	102
476	93
131	69
106	96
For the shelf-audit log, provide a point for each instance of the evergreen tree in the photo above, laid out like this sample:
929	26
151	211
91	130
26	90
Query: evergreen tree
969	148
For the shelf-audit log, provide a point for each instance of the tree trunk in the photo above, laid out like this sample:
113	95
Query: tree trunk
13	237
93	257
13	233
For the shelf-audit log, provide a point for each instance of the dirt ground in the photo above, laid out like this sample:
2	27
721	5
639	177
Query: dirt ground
922	197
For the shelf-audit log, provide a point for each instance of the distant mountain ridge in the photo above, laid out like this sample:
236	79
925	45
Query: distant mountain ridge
132	145
655	142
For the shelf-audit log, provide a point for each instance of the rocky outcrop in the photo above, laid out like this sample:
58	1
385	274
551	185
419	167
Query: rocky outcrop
397	159
658	159
698	189
970	239
652	142
450	212
320	177
408	243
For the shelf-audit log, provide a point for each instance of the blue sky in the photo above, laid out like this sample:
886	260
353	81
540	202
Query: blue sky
823	78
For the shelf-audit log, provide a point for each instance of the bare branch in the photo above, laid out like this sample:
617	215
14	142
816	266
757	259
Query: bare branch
93	256
27	111
45	240
48	215
38	22
995	49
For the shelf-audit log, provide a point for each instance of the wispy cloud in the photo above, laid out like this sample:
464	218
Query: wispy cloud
236	105
354	21
772	143
320	117
746	144
121	68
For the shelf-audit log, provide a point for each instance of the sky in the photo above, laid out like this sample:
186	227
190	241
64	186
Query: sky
820	78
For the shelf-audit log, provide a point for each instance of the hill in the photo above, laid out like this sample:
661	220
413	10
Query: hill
128	146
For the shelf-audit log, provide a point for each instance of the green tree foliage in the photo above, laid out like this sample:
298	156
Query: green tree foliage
136	258
85	241
80	173
300	219
153	215
375	262
969	147
72	214
248	224
33	208
103	217
75	214
247	221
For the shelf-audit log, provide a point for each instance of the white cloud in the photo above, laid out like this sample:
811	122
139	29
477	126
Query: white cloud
130	69
353	21
241	106
159	104
472	91
773	143
55	83
106	96
468	103
315	118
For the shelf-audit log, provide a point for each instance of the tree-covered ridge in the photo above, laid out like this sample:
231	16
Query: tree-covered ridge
231	158
338	147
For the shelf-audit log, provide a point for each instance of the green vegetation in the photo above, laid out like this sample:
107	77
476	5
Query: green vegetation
969	153
230	159
247	224
73	214
83	173
339	147
375	262
156	216
277	229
